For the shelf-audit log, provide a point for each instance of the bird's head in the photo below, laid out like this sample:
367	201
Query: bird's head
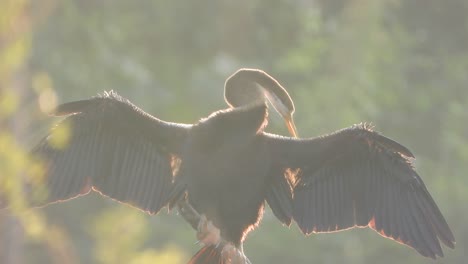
247	86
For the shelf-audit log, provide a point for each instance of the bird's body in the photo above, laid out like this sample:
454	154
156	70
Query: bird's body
241	168
227	168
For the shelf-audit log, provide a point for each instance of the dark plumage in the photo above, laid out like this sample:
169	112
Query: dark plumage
227	167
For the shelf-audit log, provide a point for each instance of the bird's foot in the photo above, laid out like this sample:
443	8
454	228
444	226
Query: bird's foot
207	233
232	255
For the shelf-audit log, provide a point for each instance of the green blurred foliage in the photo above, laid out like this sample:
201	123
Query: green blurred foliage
402	65
121	241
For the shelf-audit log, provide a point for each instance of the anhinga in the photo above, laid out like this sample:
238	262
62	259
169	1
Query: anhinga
226	167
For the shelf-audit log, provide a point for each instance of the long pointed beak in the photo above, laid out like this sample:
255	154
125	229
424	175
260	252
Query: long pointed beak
291	126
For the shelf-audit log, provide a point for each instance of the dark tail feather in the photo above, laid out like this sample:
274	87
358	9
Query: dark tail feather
208	255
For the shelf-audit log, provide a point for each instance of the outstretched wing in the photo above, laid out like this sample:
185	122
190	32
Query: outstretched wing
109	145
357	177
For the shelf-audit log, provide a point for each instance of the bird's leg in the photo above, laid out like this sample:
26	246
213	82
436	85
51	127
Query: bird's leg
207	233
188	213
233	255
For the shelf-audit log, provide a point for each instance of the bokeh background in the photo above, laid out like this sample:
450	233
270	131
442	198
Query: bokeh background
402	65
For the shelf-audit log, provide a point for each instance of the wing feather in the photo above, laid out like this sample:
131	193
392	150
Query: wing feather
279	197
114	148
357	177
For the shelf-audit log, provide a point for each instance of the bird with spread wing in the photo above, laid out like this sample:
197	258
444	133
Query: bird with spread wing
225	168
